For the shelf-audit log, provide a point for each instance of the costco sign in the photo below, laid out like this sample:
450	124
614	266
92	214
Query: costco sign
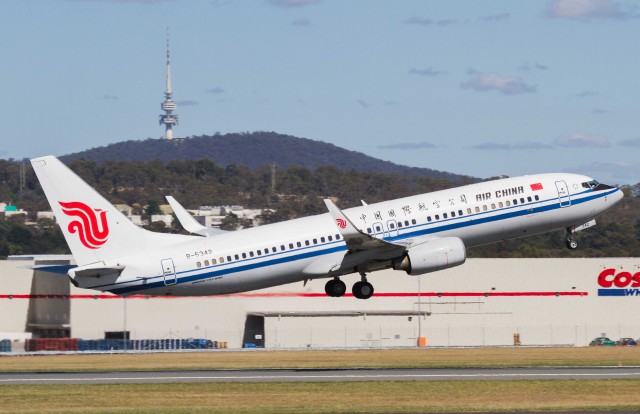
622	283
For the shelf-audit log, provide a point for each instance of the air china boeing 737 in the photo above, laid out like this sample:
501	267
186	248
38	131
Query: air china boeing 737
417	234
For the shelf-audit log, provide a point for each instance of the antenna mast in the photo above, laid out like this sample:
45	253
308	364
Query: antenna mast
168	119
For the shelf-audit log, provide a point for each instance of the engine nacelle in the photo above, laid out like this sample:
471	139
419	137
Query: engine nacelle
433	255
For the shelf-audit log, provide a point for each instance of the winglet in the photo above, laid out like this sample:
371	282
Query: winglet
188	222
354	238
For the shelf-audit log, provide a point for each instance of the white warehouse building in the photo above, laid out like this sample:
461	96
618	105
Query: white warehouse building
483	302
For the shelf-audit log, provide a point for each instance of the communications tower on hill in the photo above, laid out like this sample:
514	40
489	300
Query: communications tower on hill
168	119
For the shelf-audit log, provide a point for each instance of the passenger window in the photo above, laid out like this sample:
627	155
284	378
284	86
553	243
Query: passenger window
413	221
306	242
437	216
206	263
259	252
321	239
515	202
522	201
237	257
369	230
453	214
493	206
198	264
291	245
406	223
315	241
222	260
484	207
378	229
337	237
429	219
508	203
244	255
529	199
477	209
214	261
299	244
399	224
228	258
251	254
393	226
330	238
468	210
537	198
444	215
459	212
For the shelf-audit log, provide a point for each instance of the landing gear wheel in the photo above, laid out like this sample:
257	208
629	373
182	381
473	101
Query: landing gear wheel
571	243
335	288
362	290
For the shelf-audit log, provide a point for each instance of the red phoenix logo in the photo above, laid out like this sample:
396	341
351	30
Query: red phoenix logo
341	223
92	235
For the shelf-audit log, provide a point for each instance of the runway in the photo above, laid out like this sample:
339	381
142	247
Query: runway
320	375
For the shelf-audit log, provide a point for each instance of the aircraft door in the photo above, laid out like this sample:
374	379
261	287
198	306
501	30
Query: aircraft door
392	228
563	194
379	230
168	271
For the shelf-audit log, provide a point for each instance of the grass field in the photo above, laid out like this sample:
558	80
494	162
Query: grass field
402	358
558	395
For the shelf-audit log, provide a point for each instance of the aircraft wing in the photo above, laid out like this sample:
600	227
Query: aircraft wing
188	222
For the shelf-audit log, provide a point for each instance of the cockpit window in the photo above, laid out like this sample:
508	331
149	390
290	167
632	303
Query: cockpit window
590	184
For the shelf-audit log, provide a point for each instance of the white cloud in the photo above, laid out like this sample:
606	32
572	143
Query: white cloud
526	67
216	90
422	21
531	145
426	72
581	140
589	9
483	82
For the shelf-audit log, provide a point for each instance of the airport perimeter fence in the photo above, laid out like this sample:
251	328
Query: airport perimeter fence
106	345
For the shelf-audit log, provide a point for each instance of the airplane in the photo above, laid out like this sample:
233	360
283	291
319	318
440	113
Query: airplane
417	234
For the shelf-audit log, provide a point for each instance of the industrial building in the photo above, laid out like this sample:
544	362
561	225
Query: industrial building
483	302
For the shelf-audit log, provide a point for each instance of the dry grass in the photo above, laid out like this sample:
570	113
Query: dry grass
326	397
404	358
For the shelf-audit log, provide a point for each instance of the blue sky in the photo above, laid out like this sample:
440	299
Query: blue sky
482	88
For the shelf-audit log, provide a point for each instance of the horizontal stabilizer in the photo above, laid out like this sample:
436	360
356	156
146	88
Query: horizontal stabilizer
96	270
62	269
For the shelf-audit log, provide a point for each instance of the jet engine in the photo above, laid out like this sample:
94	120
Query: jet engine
433	255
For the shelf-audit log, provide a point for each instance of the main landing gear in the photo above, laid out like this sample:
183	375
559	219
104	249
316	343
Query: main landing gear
361	290
335	288
570	242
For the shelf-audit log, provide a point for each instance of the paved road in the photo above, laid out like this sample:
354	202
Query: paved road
321	375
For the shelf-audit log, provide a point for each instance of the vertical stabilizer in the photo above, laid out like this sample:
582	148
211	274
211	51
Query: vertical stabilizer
94	229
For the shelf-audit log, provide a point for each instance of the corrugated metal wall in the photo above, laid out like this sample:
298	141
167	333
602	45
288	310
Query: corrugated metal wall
483	302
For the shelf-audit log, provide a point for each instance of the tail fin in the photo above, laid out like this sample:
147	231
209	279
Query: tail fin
94	229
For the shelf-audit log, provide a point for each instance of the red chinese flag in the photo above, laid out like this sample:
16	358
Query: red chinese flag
536	186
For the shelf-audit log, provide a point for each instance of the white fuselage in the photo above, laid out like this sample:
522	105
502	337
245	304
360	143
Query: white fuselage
281	253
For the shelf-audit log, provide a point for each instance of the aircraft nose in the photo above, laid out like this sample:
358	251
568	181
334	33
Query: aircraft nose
618	195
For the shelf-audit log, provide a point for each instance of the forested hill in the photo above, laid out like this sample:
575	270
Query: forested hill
253	150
